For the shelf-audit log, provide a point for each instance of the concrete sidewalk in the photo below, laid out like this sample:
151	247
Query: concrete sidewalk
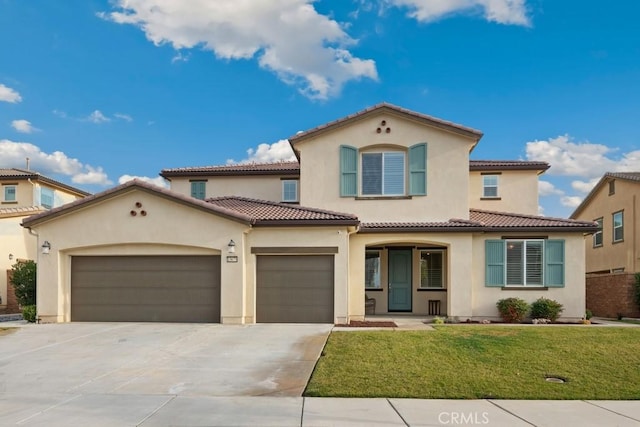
170	410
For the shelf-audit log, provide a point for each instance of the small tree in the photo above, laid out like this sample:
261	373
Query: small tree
23	278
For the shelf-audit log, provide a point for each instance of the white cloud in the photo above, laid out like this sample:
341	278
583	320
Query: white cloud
582	159
92	175
125	117
158	181
14	154
571	201
97	117
545	188
512	12
23	126
269	153
584	186
9	95
288	37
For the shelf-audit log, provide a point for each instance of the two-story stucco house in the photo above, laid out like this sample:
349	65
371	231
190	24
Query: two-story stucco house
384	203
23	193
612	254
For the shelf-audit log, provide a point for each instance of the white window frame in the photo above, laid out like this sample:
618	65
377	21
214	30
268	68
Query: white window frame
524	262
598	234
296	198
5	188
404	173
486	186
376	274
443	275
614	227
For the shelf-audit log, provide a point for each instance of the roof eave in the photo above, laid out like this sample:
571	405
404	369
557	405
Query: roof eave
311	222
167	175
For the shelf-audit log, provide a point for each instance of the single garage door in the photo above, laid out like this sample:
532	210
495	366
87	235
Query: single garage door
294	289
145	288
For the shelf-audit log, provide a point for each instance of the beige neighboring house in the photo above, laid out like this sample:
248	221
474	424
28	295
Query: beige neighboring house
613	252
383	205
24	193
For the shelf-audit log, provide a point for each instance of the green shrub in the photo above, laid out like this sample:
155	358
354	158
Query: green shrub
588	314
544	308
29	313
637	288
438	320
512	310
23	278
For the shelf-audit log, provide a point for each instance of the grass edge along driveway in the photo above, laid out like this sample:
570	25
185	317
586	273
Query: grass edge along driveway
481	362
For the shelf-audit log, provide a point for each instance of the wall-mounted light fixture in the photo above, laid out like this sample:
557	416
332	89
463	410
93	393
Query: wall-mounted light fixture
232	247
10	257
46	247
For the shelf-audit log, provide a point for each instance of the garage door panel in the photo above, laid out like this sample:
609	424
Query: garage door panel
295	289
146	288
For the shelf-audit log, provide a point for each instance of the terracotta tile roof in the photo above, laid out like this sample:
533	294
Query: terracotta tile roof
384	106
293	168
275	168
489	165
485	221
20	211
248	211
631	176
15	173
271	213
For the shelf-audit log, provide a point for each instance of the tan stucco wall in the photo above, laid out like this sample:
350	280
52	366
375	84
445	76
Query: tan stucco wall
17	241
572	295
301	238
517	192
107	228
458	270
447	187
611	255
264	187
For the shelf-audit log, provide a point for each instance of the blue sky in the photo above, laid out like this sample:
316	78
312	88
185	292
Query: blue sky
95	91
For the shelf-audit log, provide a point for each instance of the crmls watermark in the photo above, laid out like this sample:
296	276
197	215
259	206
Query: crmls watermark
463	418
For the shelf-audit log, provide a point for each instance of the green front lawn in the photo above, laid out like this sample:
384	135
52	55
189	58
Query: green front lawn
478	361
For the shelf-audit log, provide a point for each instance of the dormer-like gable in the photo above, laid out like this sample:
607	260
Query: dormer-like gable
386	163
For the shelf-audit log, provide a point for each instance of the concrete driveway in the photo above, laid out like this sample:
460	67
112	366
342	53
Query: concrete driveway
46	365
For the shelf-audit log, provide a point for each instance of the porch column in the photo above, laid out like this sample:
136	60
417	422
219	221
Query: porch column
460	287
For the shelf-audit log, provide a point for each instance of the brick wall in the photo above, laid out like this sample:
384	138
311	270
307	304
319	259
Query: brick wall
611	294
12	302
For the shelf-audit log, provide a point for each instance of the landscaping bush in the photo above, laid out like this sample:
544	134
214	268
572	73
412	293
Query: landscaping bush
637	288
23	278
29	313
544	308
588	314
512	310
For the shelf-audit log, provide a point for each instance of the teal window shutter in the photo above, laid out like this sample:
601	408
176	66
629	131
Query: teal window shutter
198	189
494	262
554	263
418	170
348	171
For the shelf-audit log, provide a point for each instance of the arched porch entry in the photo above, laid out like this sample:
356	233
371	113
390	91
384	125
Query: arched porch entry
407	277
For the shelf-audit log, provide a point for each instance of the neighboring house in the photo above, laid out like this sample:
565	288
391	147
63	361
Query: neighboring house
24	193
384	203
612	254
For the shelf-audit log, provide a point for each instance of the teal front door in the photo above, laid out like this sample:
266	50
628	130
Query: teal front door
400	279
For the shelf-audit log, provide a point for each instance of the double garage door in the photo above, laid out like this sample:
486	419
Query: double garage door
289	288
145	288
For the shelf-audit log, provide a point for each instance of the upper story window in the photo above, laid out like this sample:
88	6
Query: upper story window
383	174
290	190
618	227
386	173
46	197
10	193
199	189
597	236
490	186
